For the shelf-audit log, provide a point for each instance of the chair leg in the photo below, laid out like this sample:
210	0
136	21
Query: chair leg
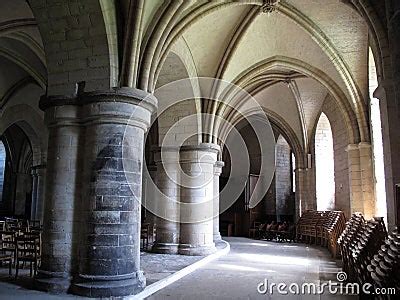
30	273
10	267
16	269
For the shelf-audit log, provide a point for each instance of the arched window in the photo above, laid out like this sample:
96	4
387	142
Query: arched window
2	168
324	164
377	146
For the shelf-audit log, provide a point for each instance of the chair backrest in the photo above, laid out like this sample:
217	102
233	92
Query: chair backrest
7	239
28	244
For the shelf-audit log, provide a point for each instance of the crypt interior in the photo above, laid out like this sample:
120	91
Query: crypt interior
142	138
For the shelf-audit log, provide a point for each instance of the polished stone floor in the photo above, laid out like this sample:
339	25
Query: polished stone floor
234	276
250	262
155	267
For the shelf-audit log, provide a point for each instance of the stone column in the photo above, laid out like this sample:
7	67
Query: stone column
367	179
361	178
217	172
148	194
109	259
166	205
356	199
62	189
391	141
38	182
197	181
305	200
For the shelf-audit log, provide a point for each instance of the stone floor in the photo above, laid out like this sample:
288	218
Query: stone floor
250	262
155	267
159	266
234	276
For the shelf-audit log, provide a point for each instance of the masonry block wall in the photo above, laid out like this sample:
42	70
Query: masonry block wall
2	168
284	200
340	143
76	45
178	124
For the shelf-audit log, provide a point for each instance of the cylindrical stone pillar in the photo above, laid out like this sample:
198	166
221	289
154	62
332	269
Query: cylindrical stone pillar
167	201
115	122
148	195
197	182
38	182
34	193
217	172
60	227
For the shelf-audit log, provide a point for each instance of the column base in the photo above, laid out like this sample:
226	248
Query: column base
217	237
97	287
185	249
53	282
165	248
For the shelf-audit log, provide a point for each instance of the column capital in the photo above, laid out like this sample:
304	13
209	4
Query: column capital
167	154
152	168
202	153
38	170
206	147
123	94
126	106
352	147
364	145
219	164
300	170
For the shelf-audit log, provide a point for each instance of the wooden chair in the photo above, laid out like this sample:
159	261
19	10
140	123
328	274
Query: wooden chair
145	235
7	243
28	249
35	225
2	225
9	259
254	231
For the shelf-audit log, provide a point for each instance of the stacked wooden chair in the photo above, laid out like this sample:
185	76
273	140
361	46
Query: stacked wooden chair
359	242
369	241
20	244
321	228
383	268
306	229
347	237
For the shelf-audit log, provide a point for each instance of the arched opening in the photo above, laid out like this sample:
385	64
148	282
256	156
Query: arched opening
324	165
377	142
17	184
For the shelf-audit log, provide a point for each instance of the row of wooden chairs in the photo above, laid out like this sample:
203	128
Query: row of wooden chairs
321	228
13	224
383	268
20	244
359	242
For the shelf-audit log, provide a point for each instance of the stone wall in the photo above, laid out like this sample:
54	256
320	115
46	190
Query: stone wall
76	43
284	200
2	168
